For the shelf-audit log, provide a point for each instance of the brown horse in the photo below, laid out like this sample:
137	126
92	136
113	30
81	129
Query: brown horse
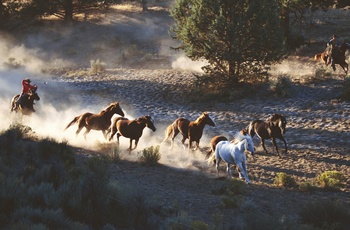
338	56
213	142
274	127
192	130
131	129
27	106
321	57
101	121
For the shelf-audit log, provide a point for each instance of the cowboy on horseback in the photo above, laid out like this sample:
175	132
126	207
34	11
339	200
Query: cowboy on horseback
26	89
332	45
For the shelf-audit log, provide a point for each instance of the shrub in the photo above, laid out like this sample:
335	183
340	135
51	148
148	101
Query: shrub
284	180
331	180
307	187
326	214
200	225
150	156
281	87
346	89
97	66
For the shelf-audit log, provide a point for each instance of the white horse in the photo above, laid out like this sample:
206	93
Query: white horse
234	153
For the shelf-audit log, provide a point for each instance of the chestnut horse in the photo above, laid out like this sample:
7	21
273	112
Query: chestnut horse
274	127
192	130
131	129
27	106
101	121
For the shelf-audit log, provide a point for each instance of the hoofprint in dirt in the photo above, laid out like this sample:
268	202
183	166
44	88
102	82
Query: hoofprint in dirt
317	135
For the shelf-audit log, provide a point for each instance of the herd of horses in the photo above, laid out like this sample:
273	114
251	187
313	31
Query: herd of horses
232	152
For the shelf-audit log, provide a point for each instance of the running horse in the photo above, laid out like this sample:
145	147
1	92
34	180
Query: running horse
131	129
192	130
234	153
337	54
101	121
274	127
27	106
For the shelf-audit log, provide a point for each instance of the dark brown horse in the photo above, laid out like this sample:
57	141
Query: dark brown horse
274	127
192	130
101	121
338	55
131	129
27	105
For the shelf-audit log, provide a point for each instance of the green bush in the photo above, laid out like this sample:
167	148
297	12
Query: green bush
307	187
282	86
331	180
150	156
284	180
326	214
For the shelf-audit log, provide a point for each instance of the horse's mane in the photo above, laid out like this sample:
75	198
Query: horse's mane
241	135
200	118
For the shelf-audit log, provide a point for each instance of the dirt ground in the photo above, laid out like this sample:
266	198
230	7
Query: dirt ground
317	130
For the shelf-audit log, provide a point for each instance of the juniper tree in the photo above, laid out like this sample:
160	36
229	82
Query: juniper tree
237	38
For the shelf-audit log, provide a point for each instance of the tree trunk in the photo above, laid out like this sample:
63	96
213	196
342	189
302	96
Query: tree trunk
68	10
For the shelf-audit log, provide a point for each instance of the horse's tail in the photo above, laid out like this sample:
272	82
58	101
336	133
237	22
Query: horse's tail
168	132
72	122
210	151
211	158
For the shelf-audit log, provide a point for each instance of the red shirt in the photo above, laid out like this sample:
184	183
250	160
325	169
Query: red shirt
26	87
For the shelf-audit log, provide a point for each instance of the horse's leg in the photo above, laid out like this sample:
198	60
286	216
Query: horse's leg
174	134
136	142
243	170
113	132
86	132
118	135
285	143
197	145
274	144
217	165
229	170
104	134
263	145
189	143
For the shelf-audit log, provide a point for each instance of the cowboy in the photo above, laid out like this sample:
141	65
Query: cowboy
26	88
333	43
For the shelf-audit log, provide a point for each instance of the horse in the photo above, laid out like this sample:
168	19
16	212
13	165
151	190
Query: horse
192	130
131	129
101	121
234	153
213	142
321	57
338	56
216	139
27	105
274	127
